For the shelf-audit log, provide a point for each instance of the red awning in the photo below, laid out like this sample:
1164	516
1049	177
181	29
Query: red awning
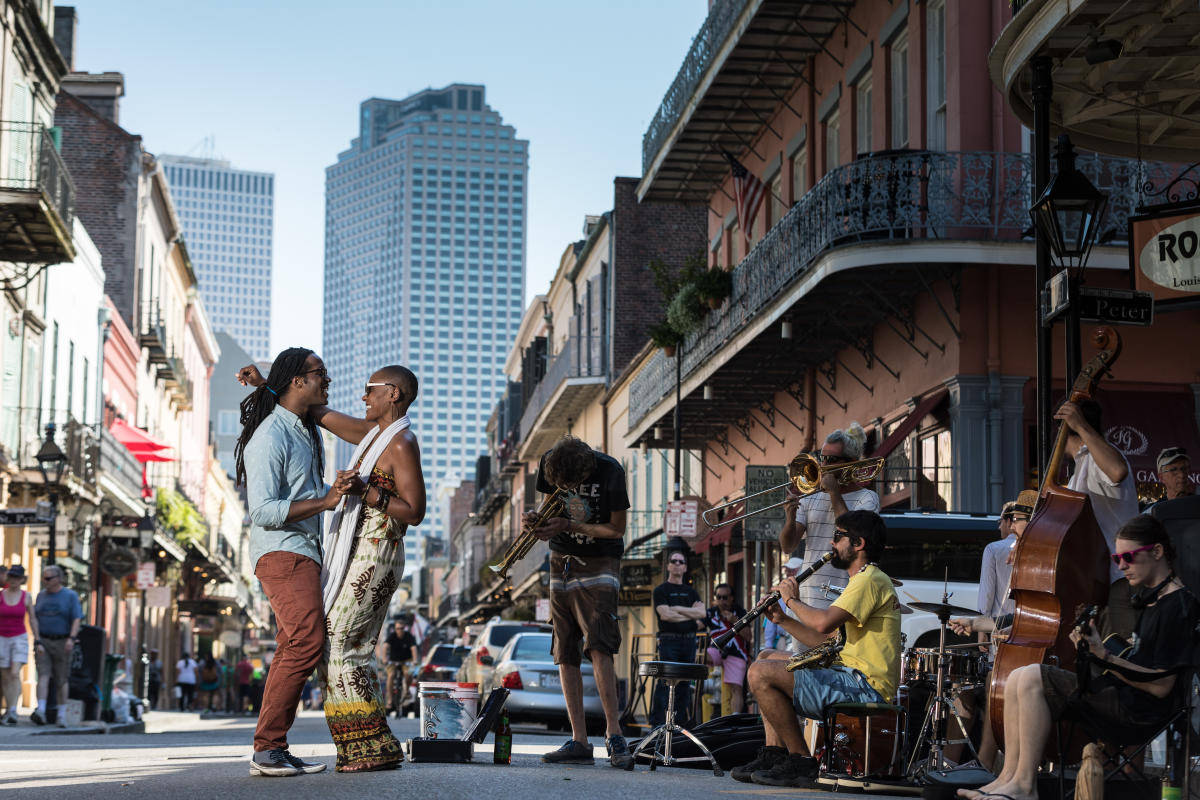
133	438
910	423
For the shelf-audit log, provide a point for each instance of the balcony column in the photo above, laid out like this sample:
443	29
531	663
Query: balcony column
676	418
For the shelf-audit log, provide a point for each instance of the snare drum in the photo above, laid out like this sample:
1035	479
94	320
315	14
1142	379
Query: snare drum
962	666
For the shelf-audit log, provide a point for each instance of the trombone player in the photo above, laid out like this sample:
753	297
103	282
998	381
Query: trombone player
810	519
586	544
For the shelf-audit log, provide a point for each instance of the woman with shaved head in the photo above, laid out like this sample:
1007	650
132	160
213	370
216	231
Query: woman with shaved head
364	560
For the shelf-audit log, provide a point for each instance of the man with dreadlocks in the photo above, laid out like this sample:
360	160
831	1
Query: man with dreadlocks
364	561
279	462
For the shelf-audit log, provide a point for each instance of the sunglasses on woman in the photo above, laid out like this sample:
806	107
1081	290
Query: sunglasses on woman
1128	555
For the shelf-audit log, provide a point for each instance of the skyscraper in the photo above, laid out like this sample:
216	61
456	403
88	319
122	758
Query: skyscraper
228	218
425	266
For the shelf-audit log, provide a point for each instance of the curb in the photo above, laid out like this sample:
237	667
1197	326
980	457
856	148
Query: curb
124	727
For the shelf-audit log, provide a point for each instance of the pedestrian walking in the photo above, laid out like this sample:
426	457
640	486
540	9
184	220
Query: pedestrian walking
16	611
185	681
242	675
209	686
59	616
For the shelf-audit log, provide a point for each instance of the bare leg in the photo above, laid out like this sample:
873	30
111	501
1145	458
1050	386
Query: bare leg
1016	720
772	685
12	688
572	687
606	684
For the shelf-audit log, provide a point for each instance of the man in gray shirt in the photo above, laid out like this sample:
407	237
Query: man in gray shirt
279	462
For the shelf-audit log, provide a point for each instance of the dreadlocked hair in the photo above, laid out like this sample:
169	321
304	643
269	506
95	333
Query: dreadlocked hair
259	404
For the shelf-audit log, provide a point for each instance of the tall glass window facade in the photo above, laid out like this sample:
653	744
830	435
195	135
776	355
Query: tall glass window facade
228	218
425	267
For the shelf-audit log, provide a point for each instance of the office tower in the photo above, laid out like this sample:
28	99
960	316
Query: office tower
228	218
425	266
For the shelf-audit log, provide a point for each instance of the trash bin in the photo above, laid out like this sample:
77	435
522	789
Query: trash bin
86	665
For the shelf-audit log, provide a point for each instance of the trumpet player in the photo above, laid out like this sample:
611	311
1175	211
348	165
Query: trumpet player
867	669
586	544
810	519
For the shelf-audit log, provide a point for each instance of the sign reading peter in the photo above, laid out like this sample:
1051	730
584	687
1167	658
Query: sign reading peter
1164	251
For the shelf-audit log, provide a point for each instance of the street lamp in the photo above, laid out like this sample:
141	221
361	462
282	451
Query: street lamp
1070	210
1068	215
52	462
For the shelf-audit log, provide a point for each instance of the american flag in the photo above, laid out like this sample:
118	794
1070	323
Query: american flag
748	190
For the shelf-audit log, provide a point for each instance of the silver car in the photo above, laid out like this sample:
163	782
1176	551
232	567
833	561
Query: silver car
526	668
485	650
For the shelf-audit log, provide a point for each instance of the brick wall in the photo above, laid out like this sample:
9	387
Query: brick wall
104	161
643	232
460	504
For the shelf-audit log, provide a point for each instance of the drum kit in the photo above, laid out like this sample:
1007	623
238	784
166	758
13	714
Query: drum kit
885	753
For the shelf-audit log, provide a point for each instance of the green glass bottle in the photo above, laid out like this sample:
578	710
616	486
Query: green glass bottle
502	741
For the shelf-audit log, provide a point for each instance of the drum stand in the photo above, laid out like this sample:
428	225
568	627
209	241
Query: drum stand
937	713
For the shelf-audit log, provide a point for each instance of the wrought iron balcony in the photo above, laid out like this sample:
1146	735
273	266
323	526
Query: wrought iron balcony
152	333
37	197
23	432
573	378
491	497
118	465
743	63
174	373
899	197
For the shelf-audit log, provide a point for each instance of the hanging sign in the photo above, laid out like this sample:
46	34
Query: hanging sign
1164	251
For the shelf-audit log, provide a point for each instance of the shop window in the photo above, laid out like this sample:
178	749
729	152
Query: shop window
937	470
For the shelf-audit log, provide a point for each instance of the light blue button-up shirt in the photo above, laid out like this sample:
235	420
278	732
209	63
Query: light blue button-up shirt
281	467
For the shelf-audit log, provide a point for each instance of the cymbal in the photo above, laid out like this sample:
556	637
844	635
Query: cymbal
896	582
905	609
945	609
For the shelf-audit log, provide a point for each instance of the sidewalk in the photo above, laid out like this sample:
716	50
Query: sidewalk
154	722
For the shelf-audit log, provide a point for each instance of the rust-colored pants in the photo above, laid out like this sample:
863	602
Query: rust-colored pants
292	584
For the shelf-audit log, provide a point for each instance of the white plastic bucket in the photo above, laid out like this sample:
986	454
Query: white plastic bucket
448	709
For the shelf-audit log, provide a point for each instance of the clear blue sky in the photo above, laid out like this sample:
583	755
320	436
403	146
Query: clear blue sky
277	85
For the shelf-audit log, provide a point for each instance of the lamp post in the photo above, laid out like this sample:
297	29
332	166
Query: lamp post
1068	215
145	529
52	462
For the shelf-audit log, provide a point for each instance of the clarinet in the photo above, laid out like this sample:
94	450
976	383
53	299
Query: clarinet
765	604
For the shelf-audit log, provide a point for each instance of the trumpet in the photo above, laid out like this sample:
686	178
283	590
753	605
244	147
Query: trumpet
804	473
552	506
764	605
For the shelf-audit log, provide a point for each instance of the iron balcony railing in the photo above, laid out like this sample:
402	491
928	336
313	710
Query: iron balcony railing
708	42
119	465
910	195
33	163
24	431
573	361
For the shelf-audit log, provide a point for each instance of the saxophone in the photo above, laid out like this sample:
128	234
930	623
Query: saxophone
825	655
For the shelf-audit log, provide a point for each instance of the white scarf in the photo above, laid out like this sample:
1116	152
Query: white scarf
339	536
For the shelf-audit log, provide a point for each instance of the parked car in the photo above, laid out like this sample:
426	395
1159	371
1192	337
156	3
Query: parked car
477	666
526	668
441	663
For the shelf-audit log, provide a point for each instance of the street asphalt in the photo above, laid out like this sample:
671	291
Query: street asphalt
183	756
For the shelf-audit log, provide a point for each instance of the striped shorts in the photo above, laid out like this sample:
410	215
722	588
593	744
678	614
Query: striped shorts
583	606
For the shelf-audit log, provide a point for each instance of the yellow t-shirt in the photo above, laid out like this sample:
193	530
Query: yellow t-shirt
873	633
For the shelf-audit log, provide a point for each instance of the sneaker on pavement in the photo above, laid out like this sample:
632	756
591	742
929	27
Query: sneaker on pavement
618	753
307	767
572	752
273	763
767	757
10	719
795	770
37	718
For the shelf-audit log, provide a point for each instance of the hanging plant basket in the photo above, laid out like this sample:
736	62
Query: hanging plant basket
714	285
686	311
664	336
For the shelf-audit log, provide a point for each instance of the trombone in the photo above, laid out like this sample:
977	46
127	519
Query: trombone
804	472
553	506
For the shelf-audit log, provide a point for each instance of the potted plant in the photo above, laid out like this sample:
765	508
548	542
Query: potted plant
664	336
714	285
685	313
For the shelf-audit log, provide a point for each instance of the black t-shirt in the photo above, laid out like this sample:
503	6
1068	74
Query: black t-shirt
1165	638
592	502
400	647
675	594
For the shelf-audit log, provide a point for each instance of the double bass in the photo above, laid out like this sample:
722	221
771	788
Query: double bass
1061	560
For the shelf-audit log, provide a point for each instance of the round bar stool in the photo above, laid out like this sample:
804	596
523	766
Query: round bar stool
672	673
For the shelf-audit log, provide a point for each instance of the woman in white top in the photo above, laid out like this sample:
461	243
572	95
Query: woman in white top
185	680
